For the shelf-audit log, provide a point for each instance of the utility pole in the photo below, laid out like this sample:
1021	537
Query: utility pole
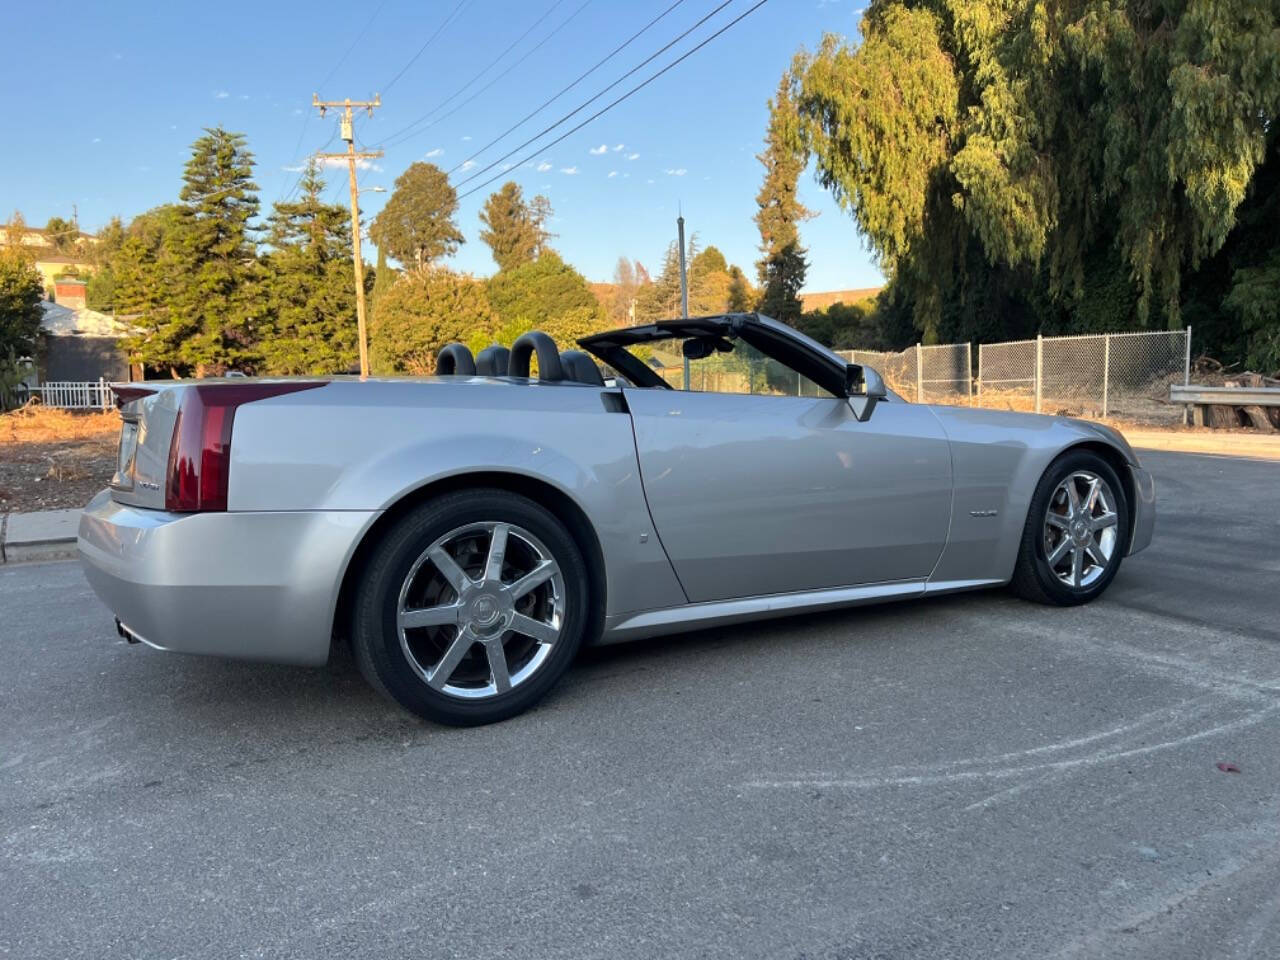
684	289
352	155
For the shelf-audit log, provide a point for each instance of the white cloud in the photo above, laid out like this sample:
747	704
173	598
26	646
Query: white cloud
569	170
543	167
298	169
220	95
507	166
297	111
677	172
361	164
617	147
612	174
598	151
434	153
97	139
244	96
467	165
633	156
650	181
467	137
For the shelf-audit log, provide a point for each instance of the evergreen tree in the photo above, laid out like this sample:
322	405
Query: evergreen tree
312	302
101	291
147	271
417	225
546	294
660	299
515	231
740	298
783	266
21	290
216	300
62	234
383	279
422	312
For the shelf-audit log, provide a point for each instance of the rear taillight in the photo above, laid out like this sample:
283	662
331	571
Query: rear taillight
200	455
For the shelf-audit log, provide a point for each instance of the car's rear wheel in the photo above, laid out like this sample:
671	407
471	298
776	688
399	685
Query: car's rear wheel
471	607
1075	532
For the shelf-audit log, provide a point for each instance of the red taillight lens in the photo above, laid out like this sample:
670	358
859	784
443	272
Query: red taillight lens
200	454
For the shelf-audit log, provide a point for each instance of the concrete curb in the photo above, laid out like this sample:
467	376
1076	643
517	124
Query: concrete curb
44	535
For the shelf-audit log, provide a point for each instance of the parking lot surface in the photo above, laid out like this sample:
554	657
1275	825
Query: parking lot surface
968	776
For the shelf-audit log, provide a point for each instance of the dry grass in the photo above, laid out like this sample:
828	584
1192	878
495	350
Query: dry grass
37	424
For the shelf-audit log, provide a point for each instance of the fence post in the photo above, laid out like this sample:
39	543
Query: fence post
102	393
1186	363
980	368
968	371
919	373
1039	367
1106	370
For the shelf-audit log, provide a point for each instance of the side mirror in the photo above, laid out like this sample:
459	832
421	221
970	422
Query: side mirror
865	389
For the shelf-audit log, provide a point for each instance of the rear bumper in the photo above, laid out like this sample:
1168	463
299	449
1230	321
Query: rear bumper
254	586
1144	509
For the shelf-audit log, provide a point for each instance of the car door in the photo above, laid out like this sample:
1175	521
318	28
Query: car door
760	494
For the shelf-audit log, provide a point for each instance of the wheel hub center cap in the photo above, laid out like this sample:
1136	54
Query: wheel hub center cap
1080	530
485	611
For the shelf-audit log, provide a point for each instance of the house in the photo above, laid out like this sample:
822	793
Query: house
49	260
80	344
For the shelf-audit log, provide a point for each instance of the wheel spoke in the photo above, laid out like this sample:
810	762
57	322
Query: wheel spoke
498	665
443	615
443	670
1095	554
1055	519
448	568
534	578
1092	498
497	551
1073	495
1104	521
542	632
1077	566
1059	551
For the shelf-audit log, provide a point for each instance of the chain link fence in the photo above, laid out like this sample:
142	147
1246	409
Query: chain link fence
1122	375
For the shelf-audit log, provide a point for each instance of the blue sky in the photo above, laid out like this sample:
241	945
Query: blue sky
110	96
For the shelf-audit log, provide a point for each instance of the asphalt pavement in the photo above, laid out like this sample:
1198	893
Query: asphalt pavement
968	776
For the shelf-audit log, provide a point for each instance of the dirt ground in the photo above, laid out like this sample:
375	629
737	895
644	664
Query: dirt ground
54	459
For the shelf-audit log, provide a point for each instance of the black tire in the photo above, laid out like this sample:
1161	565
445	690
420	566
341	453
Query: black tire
1033	579
376	639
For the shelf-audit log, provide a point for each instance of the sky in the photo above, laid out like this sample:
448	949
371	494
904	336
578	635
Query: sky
109	98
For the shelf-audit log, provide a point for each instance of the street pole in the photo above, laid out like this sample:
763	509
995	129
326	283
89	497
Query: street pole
352	155
684	290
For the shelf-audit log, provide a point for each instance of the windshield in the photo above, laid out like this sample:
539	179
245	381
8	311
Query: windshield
739	369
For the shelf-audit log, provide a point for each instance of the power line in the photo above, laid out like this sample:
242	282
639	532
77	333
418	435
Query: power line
430	40
638	87
354	43
582	106
546	103
490	66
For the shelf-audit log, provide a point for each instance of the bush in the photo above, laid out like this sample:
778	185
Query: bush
423	311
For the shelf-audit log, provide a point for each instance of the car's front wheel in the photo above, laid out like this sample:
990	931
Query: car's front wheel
1075	532
471	607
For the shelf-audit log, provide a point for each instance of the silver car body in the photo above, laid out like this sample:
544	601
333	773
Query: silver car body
697	509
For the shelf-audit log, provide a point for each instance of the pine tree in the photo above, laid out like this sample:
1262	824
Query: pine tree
147	272
383	279
417	225
515	231
21	289
312	327
217	300
660	300
783	266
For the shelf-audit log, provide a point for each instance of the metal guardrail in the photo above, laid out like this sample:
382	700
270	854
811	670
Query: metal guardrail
1235	396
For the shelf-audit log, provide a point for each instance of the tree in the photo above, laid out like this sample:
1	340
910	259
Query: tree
546	294
515	231
15	230
62	234
423	311
740	297
147	272
312	327
21	290
1036	141
100	293
660	299
417	225
783	266
384	277
215	302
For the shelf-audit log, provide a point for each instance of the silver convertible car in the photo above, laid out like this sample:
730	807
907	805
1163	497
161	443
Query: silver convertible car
467	533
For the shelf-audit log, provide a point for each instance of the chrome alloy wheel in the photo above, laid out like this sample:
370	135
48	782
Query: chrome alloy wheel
1080	529
480	610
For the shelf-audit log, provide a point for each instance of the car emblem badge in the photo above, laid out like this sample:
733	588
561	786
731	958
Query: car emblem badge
486	611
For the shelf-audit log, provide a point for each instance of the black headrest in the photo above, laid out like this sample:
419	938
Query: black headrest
454	358
548	356
581	368
493	361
